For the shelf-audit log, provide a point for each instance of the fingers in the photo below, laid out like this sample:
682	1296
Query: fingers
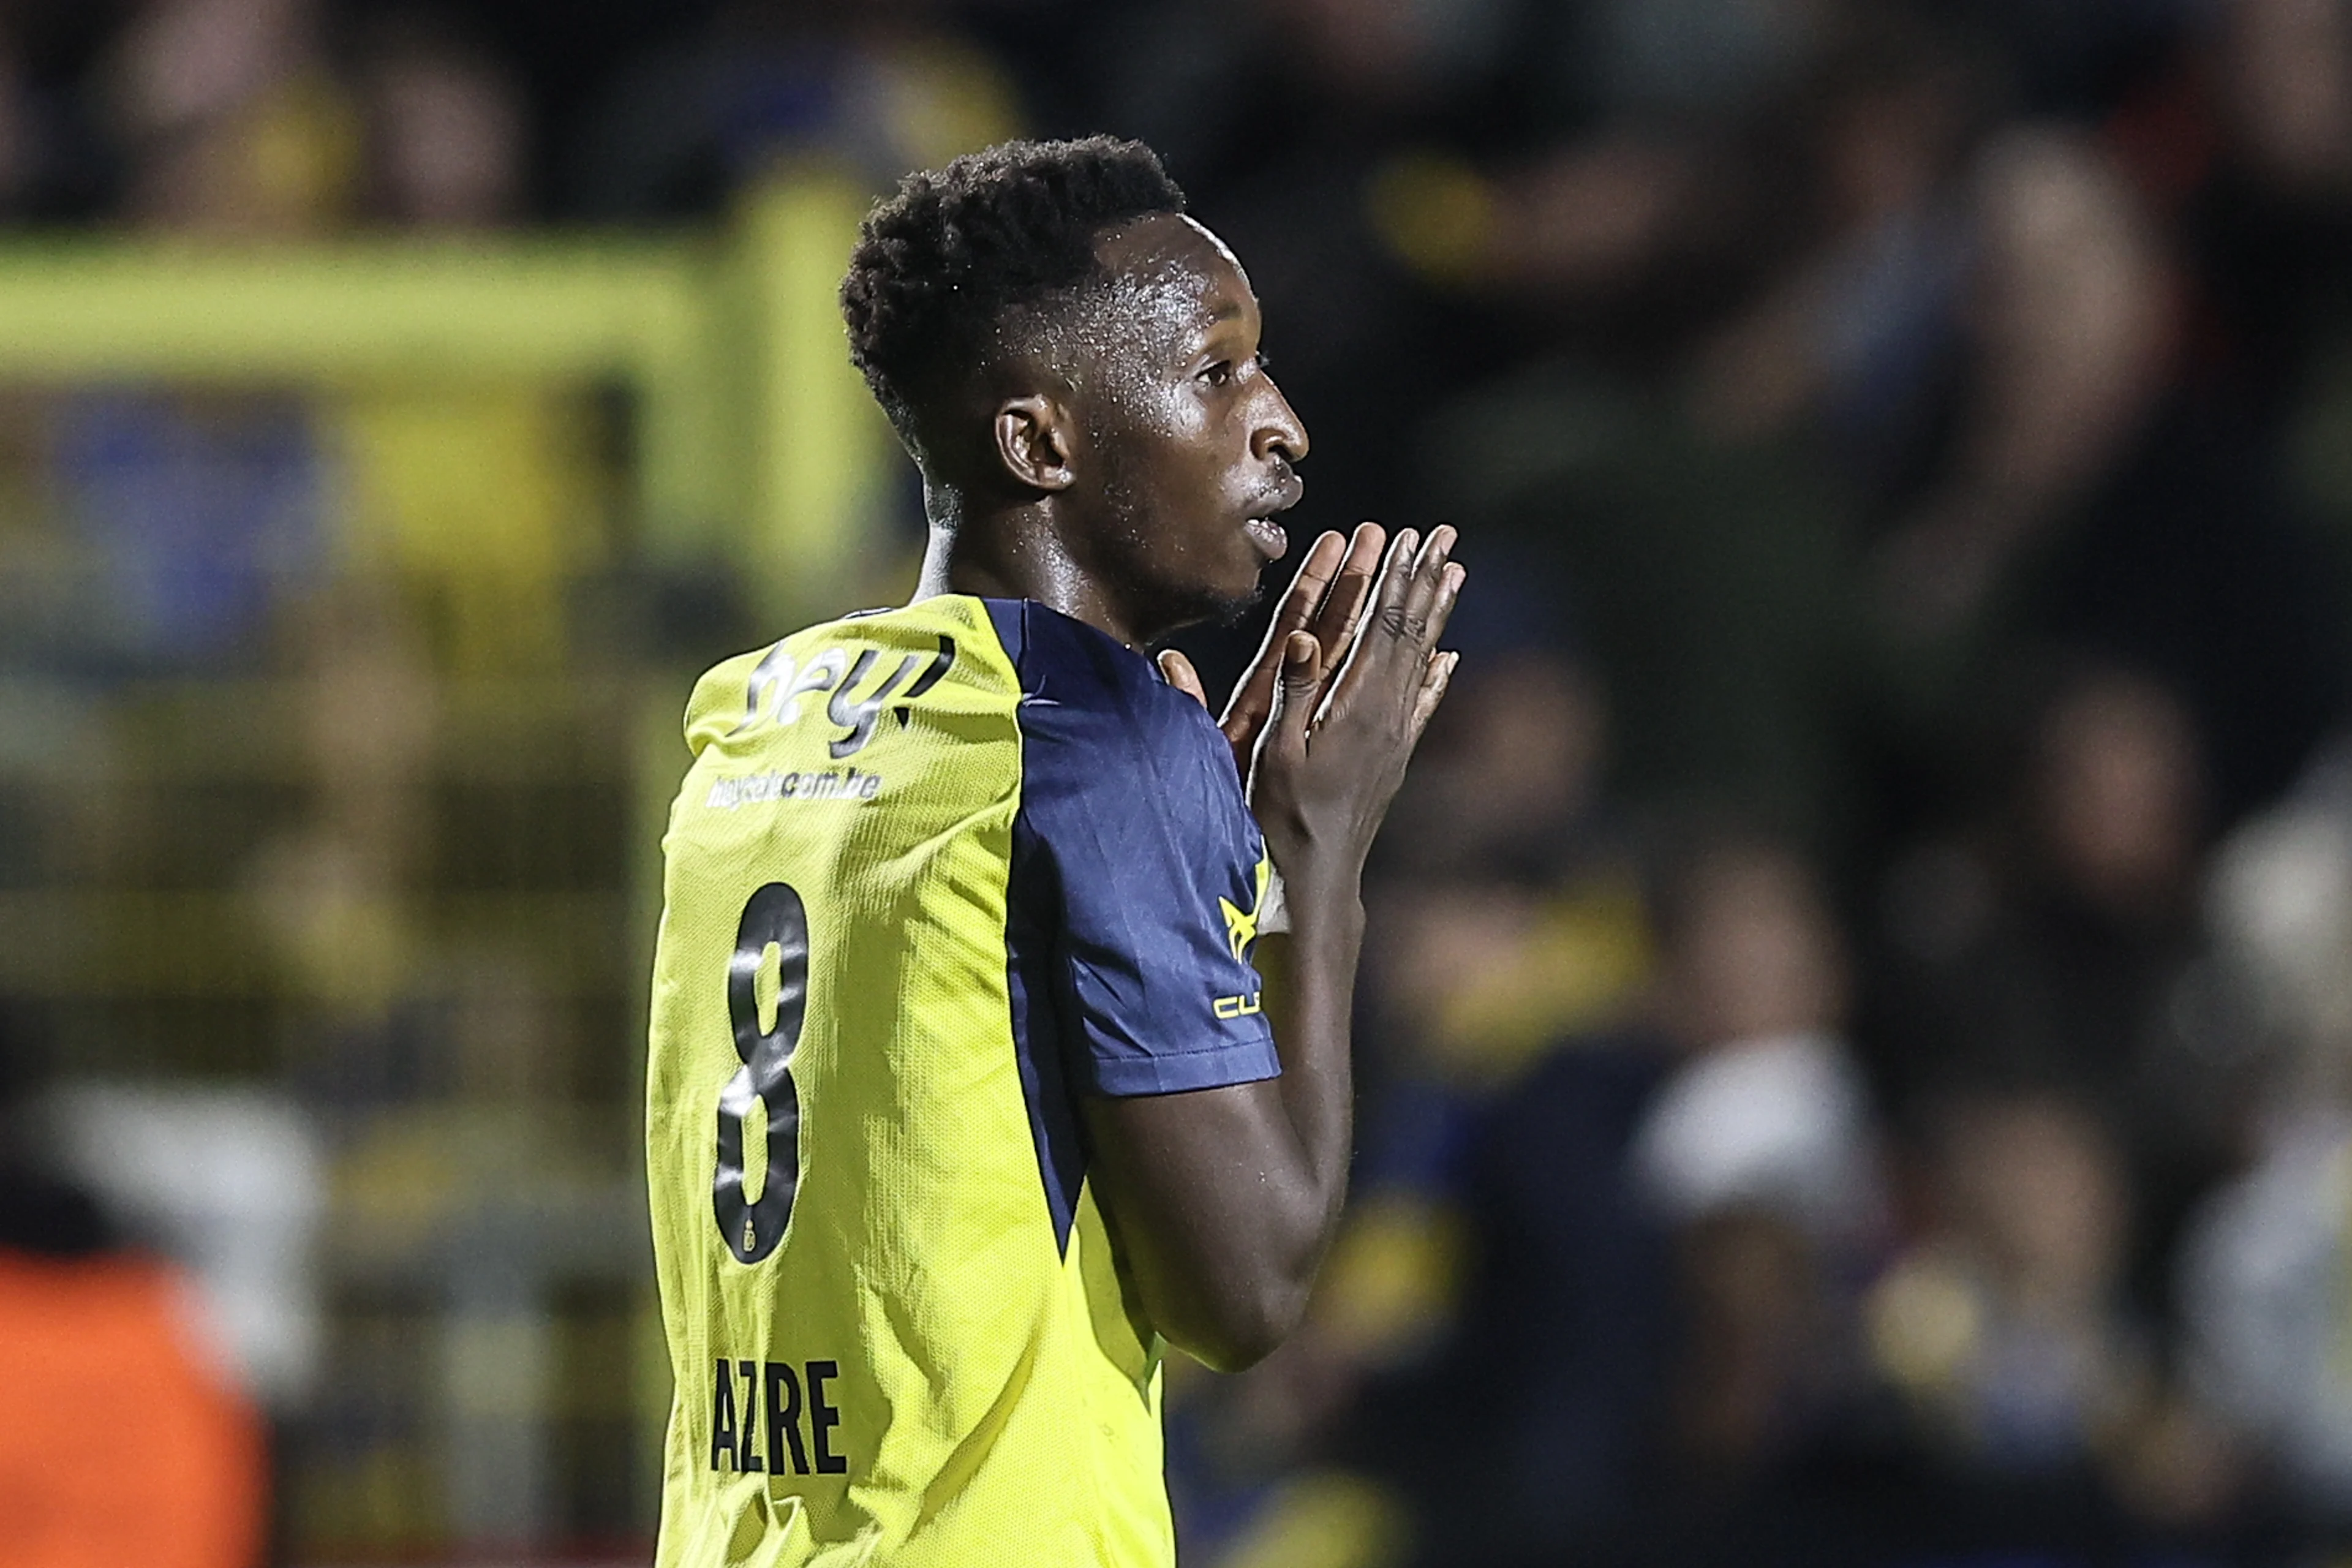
1396	575
1294	696
1183	676
1419	589
1254	696
1435	679
1441	578
1325	559
1343	607
1414	600
1387	620
1301	664
1427	586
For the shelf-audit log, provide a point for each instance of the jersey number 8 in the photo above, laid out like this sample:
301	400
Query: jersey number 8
774	918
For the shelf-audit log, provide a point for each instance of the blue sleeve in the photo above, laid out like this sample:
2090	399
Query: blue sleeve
1141	869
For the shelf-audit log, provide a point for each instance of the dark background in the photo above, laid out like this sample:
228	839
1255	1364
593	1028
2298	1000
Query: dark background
1855	1028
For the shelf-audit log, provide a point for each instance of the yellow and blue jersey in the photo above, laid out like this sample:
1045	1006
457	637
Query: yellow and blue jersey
934	873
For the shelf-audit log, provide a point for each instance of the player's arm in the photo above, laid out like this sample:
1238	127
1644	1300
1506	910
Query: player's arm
1224	1200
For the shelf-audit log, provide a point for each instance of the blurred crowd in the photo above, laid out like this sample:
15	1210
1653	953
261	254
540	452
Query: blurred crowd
1857	1016
1857	1035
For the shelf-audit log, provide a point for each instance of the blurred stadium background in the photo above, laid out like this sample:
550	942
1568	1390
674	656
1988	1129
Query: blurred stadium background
1857	1054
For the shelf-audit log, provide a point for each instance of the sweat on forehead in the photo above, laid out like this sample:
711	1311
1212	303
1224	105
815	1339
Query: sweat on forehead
1138	316
1171	248
1164	281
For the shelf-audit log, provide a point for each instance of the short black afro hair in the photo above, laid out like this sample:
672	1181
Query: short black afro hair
940	264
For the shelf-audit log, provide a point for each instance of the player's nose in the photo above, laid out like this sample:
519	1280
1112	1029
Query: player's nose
1279	432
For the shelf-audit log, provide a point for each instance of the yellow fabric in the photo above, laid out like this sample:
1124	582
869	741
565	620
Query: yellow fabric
1585	955
480	501
995	1403
1324	1518
1392	1278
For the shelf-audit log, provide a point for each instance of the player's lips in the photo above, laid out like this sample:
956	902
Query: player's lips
1264	532
1267	535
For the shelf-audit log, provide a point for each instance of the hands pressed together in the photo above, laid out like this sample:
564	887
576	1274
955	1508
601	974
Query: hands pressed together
1325	720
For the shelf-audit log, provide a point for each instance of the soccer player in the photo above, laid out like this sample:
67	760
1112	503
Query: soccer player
962	1100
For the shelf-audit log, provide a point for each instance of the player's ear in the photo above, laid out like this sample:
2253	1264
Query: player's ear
1033	441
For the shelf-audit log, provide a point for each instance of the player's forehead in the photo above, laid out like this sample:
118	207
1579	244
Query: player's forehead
1176	277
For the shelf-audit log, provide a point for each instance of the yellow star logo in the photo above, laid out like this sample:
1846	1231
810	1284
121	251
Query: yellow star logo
1241	929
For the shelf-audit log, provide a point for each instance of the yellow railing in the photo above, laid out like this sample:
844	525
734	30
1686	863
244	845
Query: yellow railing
755	448
756	439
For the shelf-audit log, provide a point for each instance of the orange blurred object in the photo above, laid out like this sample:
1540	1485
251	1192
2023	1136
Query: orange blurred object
120	1442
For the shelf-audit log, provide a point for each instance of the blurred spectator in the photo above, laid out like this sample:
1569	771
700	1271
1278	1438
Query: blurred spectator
2003	1321
1703	578
1508	903
1851	341
1507	916
94	1335
2263	1305
2097	487
481	502
2071	334
446	127
1762	1155
201	509
2267	153
1550	1400
1812	368
486	506
1508	906
231	118
331	891
2265	1270
2005	1331
875	89
1506	790
232	1187
205	505
2060	954
1768	1111
1666	1225
1662	270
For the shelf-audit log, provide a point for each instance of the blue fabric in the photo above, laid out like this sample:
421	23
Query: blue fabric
1131	830
204	512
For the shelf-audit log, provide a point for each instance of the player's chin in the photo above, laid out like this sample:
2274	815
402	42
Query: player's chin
1227	601
1231	610
1246	584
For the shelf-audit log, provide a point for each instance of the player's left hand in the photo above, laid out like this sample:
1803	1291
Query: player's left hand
1327	600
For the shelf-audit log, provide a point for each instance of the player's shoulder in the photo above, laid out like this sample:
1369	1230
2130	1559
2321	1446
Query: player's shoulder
930	638
1080	682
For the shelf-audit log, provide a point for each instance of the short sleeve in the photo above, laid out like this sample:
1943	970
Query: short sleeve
1139	868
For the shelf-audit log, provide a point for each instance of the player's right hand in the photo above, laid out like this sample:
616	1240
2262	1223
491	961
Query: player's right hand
1333	750
1326	598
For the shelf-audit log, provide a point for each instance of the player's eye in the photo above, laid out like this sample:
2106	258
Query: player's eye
1220	374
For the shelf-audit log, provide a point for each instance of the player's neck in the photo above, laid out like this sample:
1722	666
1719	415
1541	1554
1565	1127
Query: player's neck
1021	555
